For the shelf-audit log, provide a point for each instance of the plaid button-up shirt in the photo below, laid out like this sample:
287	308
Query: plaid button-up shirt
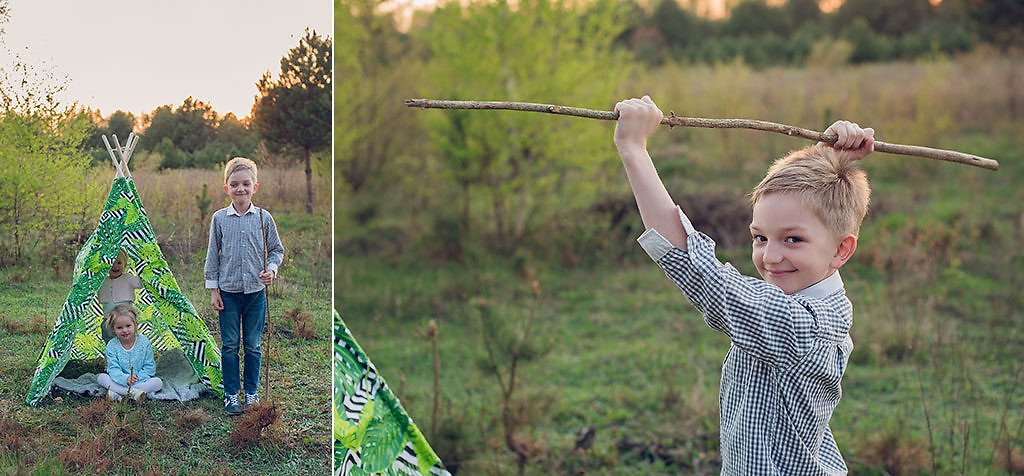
780	379
234	258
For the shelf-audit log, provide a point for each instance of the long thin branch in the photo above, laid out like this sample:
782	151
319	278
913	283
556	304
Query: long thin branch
672	120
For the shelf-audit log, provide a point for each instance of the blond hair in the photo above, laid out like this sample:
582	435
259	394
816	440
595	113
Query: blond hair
122	310
239	163
826	180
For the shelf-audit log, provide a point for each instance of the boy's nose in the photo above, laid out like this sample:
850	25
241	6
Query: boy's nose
771	254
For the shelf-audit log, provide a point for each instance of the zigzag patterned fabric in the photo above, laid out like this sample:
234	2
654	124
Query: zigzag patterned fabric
166	317
372	433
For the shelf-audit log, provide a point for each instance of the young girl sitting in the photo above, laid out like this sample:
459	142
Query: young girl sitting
129	358
118	288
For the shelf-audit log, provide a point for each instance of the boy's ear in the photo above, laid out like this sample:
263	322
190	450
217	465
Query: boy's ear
255	186
844	250
226	188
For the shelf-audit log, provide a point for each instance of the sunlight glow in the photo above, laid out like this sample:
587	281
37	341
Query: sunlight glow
137	56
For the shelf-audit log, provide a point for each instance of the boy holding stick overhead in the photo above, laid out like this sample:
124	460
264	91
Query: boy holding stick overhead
789	331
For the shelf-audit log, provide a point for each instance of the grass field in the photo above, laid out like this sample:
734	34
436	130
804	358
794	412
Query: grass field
934	385
68	434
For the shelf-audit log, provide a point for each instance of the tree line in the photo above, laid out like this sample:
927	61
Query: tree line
798	31
47	147
292	113
189	135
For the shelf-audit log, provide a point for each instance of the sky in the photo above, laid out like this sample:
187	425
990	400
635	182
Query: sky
136	56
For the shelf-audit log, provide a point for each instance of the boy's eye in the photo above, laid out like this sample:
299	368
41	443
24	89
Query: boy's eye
794	239
760	238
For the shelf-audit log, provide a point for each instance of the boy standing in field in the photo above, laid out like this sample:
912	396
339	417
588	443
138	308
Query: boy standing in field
789	332
239	235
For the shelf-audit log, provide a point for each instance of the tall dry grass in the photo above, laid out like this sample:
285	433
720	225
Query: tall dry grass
922	102
182	229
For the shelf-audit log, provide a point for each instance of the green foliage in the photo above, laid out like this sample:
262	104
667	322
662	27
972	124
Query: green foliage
232	131
348	36
173	157
196	125
41	161
203	203
512	339
121	123
756	18
867	45
294	112
679	27
378	145
999	21
519	168
783	33
884	17
190	135
190	127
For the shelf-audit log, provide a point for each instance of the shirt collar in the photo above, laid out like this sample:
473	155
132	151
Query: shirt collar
823	288
231	210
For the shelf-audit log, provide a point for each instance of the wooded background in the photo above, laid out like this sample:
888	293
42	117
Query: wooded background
507	239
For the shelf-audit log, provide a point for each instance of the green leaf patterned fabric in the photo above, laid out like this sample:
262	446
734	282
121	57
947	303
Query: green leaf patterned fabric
372	433
166	317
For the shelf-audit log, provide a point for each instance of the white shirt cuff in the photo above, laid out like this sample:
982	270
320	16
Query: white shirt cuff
211	284
656	245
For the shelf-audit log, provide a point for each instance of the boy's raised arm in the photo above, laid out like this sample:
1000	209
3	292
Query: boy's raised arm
638	118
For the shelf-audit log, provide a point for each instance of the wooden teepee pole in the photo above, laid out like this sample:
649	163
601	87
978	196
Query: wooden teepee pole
672	120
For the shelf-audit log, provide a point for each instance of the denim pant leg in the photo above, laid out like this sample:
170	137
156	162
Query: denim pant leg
229	319
253	318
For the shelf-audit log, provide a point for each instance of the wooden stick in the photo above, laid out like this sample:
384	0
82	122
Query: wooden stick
266	313
672	120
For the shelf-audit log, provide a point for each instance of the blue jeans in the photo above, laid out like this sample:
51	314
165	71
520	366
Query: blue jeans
249	312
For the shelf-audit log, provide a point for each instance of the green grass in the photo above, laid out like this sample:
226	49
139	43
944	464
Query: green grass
43	440
934	384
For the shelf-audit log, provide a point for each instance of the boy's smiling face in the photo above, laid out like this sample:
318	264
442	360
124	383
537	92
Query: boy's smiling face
792	248
240	187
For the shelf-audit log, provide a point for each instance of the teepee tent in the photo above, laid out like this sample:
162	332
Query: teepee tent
373	435
166	317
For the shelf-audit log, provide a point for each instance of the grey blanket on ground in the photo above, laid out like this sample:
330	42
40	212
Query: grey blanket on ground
180	381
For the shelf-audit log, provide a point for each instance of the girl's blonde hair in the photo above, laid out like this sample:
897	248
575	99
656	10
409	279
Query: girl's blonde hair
826	180
122	310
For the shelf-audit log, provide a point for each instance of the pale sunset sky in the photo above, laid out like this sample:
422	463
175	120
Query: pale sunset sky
137	56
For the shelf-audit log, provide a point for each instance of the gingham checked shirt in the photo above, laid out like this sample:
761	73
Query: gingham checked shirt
234	258
780	378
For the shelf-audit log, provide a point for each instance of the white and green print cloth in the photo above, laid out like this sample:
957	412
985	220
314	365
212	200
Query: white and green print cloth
372	433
